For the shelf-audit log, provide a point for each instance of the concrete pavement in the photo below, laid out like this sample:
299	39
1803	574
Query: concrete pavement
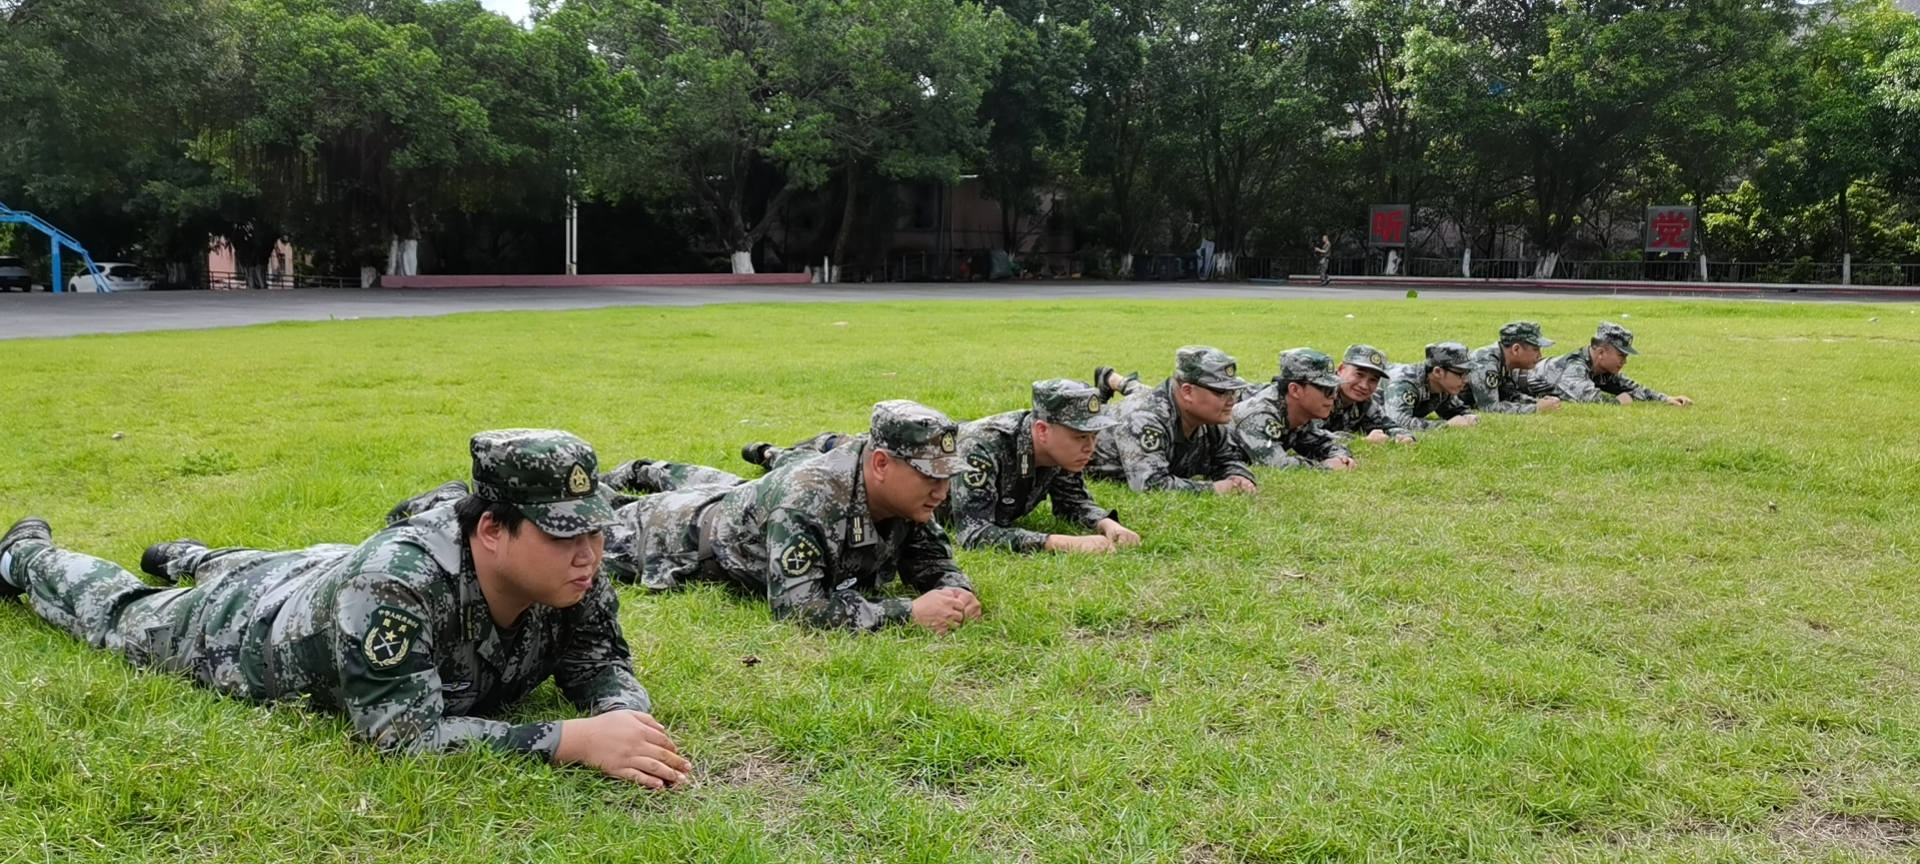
53	315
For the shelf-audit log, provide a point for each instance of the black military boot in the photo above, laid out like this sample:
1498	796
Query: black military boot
154	561
1100	376
445	493
756	453
30	528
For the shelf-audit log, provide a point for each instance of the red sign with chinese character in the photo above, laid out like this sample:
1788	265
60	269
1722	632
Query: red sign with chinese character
1389	225
1670	229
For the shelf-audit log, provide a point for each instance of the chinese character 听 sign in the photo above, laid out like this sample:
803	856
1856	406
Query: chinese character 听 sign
1388	227
1670	229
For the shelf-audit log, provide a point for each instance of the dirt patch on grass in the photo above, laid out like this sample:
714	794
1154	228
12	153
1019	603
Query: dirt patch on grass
1877	835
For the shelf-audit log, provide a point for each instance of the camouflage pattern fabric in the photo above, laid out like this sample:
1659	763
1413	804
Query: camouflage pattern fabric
1208	367
927	439
1492	388
1408	399
1148	450
393	633
648	477
1615	335
1366	357
803	537
1573	378
1261	421
1002	484
780	457
1073	404
1359	419
550	475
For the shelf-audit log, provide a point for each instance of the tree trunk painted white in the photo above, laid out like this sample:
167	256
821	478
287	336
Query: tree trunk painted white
1846	269
1393	263
1126	267
1703	266
1223	265
369	275
403	257
1466	264
1549	261
743	262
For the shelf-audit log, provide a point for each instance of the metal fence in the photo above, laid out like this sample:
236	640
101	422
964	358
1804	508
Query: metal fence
1805	272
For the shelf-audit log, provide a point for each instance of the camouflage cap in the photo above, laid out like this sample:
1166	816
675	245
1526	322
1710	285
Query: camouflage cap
1307	366
552	476
1073	404
1451	356
1615	335
1211	368
1526	332
927	439
1367	357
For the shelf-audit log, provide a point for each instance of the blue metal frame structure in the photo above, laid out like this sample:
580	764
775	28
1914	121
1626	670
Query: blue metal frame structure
59	238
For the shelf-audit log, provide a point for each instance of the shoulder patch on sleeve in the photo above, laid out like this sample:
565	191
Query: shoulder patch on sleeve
391	635
979	469
1408	397
799	556
1273	428
1152	439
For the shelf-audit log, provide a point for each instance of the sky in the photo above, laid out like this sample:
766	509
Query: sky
515	9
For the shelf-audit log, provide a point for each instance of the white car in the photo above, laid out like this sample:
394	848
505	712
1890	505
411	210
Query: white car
120	277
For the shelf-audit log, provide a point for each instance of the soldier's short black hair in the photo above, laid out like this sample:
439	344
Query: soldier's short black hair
471	508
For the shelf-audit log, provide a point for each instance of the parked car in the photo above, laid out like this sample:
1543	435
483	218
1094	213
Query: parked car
120	277
13	274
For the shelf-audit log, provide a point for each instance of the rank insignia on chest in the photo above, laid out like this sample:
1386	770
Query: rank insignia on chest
1152	439
799	557
391	634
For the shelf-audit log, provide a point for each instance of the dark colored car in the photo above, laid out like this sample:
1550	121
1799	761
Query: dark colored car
13	274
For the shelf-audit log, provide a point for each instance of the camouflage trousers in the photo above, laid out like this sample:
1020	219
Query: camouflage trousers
657	542
198	630
801	451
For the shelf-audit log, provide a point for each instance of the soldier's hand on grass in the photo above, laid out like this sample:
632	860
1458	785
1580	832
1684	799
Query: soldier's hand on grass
1680	401
1235	485
1377	436
1549	403
624	745
1403	439
1464	420
943	609
1121	535
1341	463
1070	543
1624	398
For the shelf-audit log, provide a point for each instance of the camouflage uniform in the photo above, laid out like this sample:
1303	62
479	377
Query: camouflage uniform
1002	483
393	633
1493	388
779	457
1573	378
803	536
1408	399
1149	451
1261	419
1351	420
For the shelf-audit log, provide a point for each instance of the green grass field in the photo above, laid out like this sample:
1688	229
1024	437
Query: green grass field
1611	634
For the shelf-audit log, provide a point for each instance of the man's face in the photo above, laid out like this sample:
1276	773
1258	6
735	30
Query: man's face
1608	360
1313	401
1206	405
1447	381
1522	355
548	570
1067	449
904	491
1358	384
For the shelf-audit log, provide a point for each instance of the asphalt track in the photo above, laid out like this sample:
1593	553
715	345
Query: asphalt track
42	315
